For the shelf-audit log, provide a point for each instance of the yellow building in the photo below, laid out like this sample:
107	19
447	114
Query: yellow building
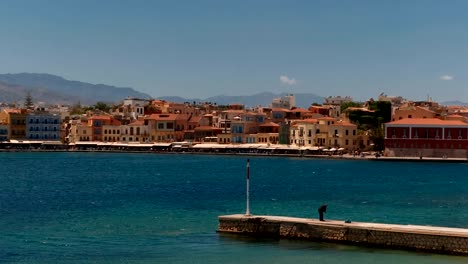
343	134
111	133
79	132
16	120
304	132
162	127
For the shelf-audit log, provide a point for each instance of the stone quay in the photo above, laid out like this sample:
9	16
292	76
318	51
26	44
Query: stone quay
440	240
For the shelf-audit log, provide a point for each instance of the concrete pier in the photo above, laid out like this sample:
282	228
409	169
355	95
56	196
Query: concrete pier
442	240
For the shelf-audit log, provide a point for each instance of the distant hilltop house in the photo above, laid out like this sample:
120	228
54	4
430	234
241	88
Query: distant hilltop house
287	102
337	100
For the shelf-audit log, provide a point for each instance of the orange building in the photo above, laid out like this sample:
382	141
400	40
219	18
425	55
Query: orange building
97	122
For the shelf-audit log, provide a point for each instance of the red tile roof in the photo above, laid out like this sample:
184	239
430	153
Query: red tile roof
428	121
163	117
301	110
326	118
344	123
100	117
280	110
137	123
207	128
269	124
308	120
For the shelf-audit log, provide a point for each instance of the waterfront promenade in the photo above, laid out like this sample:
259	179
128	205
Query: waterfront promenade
433	239
262	154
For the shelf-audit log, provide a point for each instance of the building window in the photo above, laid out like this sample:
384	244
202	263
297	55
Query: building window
347	134
410	116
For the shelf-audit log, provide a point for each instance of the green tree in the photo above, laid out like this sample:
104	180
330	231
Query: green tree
28	101
77	109
345	106
102	106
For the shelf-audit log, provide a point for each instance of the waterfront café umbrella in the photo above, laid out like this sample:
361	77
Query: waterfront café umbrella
209	146
333	149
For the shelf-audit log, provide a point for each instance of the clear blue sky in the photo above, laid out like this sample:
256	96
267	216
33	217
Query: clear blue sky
201	48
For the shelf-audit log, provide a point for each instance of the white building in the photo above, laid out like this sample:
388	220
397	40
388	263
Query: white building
288	102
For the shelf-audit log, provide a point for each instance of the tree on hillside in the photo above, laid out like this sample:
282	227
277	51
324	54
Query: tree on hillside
345	106
102	106
77	109
28	101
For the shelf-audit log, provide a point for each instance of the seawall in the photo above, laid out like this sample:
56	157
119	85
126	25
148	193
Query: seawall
442	240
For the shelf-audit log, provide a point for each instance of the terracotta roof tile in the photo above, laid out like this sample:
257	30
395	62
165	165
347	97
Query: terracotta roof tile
428	121
269	124
162	117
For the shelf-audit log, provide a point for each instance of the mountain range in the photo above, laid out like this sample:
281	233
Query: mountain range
52	89
261	99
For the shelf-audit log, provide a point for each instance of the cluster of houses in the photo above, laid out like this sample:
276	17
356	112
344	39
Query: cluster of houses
416	129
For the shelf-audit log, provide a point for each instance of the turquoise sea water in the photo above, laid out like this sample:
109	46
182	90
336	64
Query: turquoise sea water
150	208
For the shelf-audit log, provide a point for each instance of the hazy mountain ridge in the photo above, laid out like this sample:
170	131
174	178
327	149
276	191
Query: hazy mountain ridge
60	90
10	93
456	102
264	99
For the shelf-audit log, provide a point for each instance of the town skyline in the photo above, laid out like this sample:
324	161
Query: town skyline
411	49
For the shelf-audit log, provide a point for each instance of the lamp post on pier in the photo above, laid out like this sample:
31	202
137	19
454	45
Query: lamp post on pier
247	210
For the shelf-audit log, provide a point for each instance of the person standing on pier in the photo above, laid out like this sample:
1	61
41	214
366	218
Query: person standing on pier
321	210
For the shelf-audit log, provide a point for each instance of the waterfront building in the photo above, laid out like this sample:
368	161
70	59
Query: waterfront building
303	132
135	132
224	138
162	127
247	123
16	120
111	133
426	137
343	134
4	131
225	119
268	133
322	134
43	126
97	122
79	131
202	132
